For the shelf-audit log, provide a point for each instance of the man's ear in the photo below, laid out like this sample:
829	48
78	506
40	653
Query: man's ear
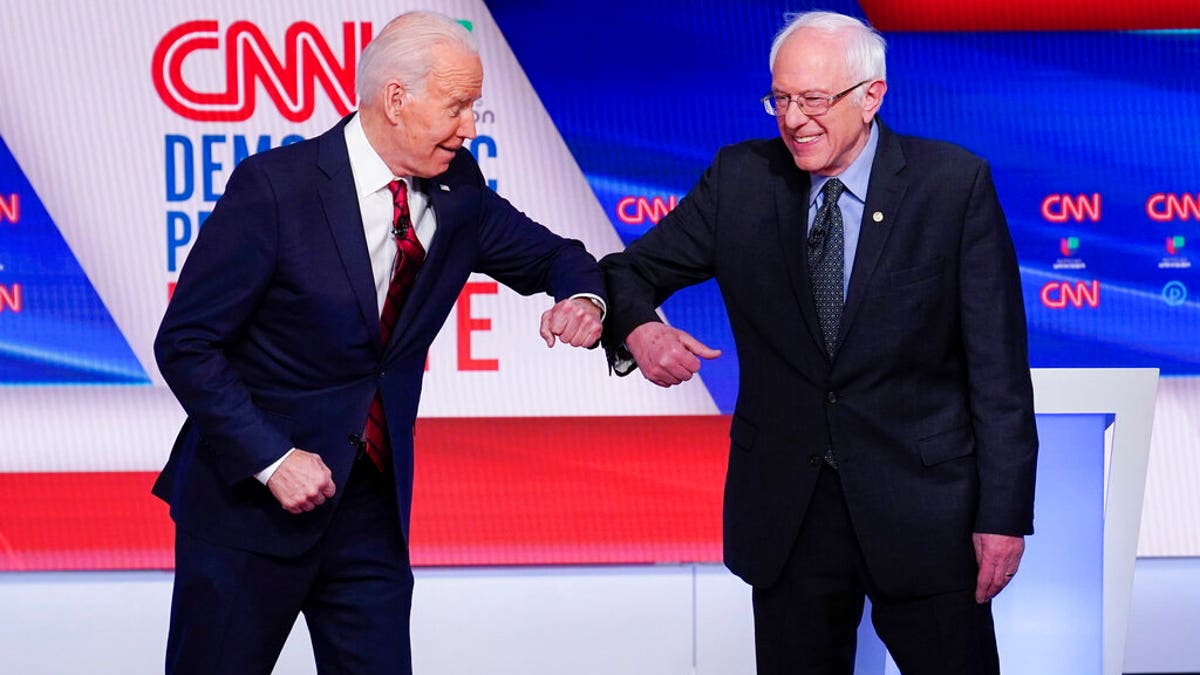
394	98
873	98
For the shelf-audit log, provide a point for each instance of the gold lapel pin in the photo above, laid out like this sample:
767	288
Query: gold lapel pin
877	216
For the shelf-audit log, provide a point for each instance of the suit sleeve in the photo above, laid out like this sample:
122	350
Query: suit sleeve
528	258
998	380
226	274
675	253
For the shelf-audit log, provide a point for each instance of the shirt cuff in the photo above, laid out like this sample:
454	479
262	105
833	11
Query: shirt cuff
265	475
596	300
620	360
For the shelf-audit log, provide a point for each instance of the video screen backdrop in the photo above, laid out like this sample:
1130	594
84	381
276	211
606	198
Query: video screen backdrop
596	119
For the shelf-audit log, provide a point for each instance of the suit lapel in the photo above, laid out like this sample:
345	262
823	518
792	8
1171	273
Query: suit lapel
345	223
791	215
884	195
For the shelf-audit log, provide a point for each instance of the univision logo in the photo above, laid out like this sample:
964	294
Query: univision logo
1068	247
1174	259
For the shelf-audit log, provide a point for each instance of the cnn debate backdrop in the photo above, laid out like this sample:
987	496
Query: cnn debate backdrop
122	121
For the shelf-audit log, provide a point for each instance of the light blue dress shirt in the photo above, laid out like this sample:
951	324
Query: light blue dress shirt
853	201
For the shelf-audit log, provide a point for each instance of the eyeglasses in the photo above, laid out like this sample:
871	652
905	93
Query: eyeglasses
812	105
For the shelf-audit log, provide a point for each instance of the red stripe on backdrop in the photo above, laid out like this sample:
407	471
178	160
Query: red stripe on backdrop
76	521
512	491
1033	15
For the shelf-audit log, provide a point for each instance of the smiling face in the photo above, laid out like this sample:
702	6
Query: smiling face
810	61
428	125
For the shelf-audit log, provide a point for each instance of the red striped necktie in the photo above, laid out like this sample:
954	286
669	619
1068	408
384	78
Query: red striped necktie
409	256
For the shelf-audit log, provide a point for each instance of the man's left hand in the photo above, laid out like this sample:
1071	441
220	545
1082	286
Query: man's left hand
998	556
575	321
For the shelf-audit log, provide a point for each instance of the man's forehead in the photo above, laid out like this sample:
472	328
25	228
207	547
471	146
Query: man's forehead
458	70
804	79
446	56
809	60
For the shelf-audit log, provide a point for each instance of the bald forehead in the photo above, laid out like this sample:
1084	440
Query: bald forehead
448	56
457	73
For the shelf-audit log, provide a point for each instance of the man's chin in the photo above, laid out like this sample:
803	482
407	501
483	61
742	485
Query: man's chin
436	166
806	160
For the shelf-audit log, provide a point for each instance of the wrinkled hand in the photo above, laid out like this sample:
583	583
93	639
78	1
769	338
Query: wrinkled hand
302	482
665	355
575	321
998	556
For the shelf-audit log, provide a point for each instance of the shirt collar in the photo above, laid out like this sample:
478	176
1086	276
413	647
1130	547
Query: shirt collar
371	174
857	176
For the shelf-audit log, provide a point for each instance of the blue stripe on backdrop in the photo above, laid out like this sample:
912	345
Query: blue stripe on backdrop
645	92
54	329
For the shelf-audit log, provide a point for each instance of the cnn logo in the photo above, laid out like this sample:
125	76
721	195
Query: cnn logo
1063	294
246	60
1061	208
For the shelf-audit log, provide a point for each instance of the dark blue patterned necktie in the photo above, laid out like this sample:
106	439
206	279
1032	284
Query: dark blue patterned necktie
825	263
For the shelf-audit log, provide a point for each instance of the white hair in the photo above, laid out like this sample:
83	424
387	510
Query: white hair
403	50
865	48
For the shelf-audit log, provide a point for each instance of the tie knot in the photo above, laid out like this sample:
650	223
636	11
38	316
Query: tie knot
832	190
399	192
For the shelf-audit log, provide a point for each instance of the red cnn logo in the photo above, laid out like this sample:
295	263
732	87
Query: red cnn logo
1164	207
10	296
637	210
10	209
249	61
1059	294
1060	208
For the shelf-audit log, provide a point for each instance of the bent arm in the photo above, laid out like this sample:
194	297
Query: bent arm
679	251
225	276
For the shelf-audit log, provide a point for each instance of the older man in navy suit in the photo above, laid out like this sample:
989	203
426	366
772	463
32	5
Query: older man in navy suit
296	342
883	443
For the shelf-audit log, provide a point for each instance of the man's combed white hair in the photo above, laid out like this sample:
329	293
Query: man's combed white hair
404	50
865	48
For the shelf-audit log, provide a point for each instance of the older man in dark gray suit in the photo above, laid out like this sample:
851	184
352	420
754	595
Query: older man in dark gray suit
883	443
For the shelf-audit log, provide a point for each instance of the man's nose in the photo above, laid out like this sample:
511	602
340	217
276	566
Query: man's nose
466	124
794	117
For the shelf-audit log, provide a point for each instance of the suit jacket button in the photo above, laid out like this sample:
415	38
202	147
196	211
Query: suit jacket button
814	460
831	397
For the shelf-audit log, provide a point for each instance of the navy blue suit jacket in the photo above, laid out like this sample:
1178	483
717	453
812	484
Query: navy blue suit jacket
271	340
927	402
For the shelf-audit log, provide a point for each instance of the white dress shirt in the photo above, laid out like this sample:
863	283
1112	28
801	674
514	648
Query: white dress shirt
371	178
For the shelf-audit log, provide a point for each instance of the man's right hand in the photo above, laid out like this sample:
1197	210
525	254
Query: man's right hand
665	355
302	482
